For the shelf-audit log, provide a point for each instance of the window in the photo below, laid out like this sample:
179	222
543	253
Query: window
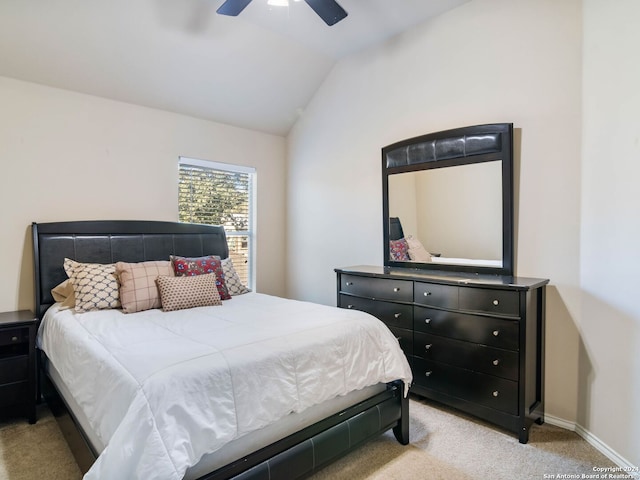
221	194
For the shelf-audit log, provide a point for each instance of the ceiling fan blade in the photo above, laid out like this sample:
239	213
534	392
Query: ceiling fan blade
328	10
232	7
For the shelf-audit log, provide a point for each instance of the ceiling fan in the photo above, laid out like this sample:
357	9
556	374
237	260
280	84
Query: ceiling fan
328	10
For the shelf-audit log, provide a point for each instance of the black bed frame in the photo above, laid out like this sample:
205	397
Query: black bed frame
295	456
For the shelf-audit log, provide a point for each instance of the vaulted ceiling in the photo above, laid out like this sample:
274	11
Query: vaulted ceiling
258	70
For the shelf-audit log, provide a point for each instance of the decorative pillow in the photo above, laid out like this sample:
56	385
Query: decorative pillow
95	285
189	266
63	293
232	280
417	252
178	293
399	250
138	288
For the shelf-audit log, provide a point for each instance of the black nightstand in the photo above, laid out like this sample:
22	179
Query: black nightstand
18	362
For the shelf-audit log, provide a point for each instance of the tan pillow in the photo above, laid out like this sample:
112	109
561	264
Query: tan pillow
95	285
63	293
178	293
417	252
138	288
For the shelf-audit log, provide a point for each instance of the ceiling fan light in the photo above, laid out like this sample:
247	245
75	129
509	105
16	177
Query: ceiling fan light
278	3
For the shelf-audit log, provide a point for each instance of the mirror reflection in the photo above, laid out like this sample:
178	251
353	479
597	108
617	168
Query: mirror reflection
432	222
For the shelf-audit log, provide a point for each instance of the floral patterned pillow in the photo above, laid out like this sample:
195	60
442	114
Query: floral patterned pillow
190	266
399	250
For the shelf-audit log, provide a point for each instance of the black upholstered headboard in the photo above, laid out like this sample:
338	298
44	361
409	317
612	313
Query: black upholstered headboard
112	241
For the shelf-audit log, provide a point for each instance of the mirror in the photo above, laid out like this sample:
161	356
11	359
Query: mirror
447	201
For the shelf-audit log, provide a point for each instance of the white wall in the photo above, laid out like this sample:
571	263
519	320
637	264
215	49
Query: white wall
609	388
68	156
486	61
576	174
470	224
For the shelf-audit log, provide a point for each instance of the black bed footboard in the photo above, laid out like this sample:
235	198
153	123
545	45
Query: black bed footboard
312	448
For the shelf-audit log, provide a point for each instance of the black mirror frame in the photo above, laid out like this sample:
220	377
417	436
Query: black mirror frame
460	146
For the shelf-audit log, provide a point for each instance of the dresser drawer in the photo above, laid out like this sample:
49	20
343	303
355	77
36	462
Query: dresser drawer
395	314
503	302
487	390
379	288
491	331
435	295
13	336
405	338
472	356
14	369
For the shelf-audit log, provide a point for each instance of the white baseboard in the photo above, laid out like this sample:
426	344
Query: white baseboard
595	442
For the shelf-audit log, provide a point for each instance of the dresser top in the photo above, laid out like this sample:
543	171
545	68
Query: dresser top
450	278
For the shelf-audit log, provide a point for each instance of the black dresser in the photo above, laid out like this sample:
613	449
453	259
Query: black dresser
474	342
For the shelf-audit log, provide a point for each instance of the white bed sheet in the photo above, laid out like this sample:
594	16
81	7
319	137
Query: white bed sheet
467	261
163	389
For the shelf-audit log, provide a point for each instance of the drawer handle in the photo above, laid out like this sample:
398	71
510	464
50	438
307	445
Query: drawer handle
427	320
428	374
14	339
496	333
349	306
349	284
496	393
426	294
396	289
397	315
496	362
496	302
428	346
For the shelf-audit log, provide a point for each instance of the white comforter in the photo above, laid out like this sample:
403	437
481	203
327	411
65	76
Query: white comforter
163	389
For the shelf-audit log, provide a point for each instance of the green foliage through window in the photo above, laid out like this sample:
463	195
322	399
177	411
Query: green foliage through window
218	194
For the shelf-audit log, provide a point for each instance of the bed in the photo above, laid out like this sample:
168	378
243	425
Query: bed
156	394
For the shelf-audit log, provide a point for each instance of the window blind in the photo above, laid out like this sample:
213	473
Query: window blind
220	194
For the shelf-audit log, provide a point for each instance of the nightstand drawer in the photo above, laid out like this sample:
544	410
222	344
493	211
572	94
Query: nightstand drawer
13	393
14	369
13	336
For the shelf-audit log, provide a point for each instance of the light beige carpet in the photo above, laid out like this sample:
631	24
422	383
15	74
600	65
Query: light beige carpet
444	445
30	452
